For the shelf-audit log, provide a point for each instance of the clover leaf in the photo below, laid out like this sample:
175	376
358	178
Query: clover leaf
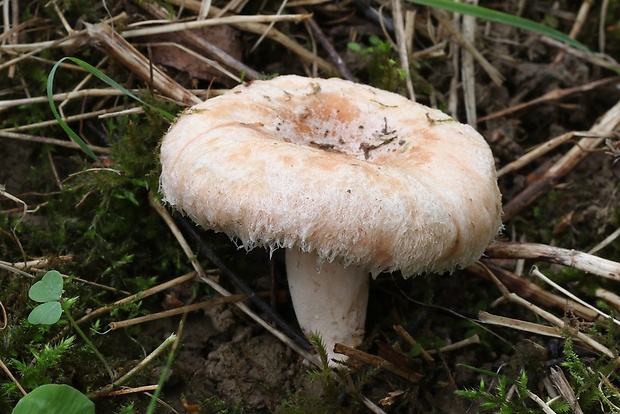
46	291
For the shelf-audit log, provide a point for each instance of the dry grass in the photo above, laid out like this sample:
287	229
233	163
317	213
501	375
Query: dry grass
552	121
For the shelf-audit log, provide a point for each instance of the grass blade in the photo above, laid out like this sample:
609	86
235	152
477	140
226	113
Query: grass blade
102	76
515	21
504	18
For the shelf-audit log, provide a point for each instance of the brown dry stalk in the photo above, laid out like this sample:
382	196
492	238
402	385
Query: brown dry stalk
329	48
133	390
609	297
412	342
577	25
51	141
43	264
12	377
567	257
4	318
401	44
378	362
553	95
554	320
155	289
544	149
227	20
259	29
517	324
472	340
605	125
530	290
70	41
567	293
137	368
541	403
563	386
137	63
62	96
181	310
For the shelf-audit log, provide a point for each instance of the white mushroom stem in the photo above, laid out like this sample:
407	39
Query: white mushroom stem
328	298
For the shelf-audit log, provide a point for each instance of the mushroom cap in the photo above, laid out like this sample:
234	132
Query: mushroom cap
359	175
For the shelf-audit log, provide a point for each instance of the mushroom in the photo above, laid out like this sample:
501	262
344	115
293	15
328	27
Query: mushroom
349	179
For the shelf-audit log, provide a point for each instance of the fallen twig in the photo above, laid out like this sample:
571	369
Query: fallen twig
177	311
544	149
472	340
531	291
155	289
401	45
567	257
553	95
136	369
137	63
458	37
563	386
517	324
378	362
549	317
227	20
550	282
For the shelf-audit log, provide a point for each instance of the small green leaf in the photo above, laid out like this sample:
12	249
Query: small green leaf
54	398
47	289
45	314
354	47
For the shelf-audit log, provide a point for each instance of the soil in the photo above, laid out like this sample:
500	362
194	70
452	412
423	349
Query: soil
226	362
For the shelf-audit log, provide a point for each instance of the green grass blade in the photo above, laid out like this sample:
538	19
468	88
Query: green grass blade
105	78
504	18
61	122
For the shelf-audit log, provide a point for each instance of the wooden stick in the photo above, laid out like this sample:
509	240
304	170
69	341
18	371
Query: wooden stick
137	63
517	324
178	311
551	318
567	257
526	288
155	289
52	141
553	95
227	20
377	361
543	149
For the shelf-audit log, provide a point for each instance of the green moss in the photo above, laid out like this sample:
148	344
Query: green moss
382	65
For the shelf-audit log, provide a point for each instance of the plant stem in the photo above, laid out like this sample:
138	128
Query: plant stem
85	338
126	377
172	339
